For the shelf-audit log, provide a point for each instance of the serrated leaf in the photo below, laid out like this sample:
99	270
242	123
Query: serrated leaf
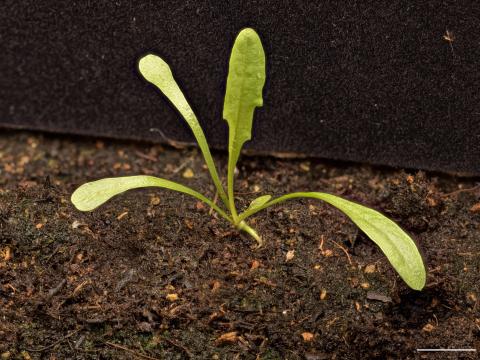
246	77
396	244
156	71
91	195
261	200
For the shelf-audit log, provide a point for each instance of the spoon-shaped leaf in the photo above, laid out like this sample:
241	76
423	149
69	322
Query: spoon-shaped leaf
396	244
156	71
91	195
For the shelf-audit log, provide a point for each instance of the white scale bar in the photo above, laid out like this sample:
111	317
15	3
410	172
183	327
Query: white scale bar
455	350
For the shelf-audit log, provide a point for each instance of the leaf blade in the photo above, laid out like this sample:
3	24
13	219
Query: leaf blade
245	81
399	248
91	195
156	71
259	201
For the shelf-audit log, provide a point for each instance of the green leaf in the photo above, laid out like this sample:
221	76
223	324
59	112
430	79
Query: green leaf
259	201
91	195
156	71
246	77
396	244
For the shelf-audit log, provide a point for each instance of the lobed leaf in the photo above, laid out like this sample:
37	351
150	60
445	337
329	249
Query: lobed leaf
396	244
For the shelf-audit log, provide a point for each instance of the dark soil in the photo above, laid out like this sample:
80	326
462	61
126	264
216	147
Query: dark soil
152	275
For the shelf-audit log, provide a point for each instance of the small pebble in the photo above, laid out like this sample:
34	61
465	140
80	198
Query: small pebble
155	200
323	294
290	255
188	173
428	328
307	336
172	297
369	269
365	285
305	166
255	265
327	253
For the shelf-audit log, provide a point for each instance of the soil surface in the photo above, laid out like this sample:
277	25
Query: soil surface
153	275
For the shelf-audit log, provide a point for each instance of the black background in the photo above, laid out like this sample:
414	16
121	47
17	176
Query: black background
365	81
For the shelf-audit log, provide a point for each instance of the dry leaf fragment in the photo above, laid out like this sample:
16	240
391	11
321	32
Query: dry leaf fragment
475	208
358	307
365	285
372	295
290	255
428	328
369	269
327	253
431	202
227	338
172	297
255	265
7	254
216	285
323	294
188	223
307	336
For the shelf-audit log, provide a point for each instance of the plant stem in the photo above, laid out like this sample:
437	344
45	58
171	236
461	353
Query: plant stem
244	227
231	197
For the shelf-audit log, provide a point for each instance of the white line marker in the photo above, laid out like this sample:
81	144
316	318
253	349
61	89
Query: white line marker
447	350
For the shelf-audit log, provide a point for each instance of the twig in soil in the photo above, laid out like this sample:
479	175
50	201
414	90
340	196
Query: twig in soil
181	347
129	276
133	352
181	166
322	240
145	156
456	192
56	289
79	342
56	342
175	144
47	259
215	199
344	250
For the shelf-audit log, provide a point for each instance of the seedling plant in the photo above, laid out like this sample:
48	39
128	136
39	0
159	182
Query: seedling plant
245	81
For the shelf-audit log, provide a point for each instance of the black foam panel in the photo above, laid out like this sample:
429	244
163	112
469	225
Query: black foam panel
383	82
